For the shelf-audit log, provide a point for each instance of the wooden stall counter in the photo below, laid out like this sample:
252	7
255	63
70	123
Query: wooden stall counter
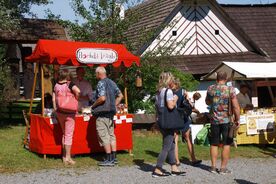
46	135
257	129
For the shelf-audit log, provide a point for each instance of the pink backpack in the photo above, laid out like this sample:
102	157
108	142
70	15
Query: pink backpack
65	99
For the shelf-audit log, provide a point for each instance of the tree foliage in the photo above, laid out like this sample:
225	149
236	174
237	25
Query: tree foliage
102	23
12	10
151	67
8	91
102	19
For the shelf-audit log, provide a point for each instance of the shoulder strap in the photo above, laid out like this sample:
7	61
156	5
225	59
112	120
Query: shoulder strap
165	98
230	112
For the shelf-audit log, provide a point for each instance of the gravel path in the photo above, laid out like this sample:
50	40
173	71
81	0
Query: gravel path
244	171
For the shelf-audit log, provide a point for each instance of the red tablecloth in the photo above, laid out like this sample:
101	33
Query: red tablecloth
45	135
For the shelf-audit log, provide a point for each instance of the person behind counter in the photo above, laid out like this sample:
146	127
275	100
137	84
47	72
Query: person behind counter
65	119
243	98
85	88
108	96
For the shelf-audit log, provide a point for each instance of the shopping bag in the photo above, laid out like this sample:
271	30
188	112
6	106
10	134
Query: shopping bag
170	118
202	137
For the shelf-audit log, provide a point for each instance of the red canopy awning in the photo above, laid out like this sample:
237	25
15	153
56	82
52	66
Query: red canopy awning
65	53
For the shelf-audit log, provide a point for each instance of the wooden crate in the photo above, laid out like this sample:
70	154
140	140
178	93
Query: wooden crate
262	138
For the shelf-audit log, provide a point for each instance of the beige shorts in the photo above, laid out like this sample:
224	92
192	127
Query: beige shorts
105	131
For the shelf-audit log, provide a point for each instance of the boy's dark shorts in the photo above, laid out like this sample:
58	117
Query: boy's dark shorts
219	134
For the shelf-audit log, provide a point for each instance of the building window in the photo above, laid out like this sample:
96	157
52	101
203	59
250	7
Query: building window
174	33
216	32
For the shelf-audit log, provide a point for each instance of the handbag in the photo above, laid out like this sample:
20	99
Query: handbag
232	133
169	118
66	101
187	107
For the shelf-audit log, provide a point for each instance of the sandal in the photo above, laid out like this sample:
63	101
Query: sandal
178	173
157	175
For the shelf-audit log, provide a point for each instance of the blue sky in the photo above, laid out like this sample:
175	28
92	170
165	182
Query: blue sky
63	7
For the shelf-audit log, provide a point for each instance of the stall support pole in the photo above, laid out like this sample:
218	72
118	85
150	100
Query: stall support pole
42	89
270	93
130	152
125	94
33	89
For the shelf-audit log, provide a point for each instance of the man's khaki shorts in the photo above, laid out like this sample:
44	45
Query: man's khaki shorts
105	130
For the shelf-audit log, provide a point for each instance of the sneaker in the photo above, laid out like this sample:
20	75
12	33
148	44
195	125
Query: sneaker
196	162
115	161
225	171
106	163
156	175
178	173
213	170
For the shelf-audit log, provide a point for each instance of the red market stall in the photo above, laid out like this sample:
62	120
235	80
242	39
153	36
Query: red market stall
45	132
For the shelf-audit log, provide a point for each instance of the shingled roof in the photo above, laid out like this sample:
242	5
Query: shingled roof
31	30
258	22
150	14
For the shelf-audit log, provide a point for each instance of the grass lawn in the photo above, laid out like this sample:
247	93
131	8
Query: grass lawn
147	145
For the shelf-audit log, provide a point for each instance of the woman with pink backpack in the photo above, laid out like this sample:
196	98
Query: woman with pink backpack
65	105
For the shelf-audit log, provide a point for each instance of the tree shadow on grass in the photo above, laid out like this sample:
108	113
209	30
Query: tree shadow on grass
143	166
241	181
269	149
4	125
98	156
152	153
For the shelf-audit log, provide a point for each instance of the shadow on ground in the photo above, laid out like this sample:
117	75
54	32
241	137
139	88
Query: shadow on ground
143	166
152	153
269	150
241	181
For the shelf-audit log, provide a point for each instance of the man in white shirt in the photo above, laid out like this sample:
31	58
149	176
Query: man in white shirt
85	88
243	98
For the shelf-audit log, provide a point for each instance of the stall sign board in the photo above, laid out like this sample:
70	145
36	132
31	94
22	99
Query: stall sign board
255	101
257	124
96	55
243	119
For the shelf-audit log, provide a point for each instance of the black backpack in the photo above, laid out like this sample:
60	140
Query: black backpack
185	106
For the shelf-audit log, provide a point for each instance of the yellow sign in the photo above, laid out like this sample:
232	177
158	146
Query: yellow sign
257	124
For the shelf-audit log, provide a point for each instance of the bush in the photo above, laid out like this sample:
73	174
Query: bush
150	70
8	87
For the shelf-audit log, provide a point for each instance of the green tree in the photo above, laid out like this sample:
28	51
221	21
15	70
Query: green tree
151	67
102	23
11	11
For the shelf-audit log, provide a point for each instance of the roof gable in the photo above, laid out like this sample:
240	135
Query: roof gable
198	27
254	23
150	16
